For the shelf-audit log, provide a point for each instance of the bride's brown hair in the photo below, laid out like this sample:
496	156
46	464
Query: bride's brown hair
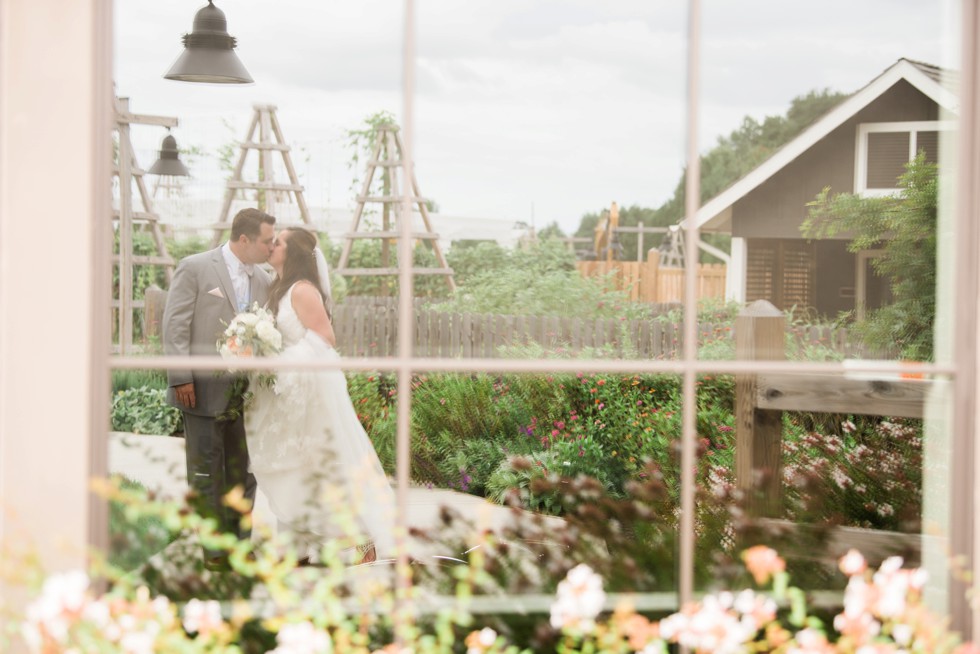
299	265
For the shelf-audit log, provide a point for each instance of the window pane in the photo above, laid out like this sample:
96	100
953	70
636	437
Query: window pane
839	471
591	459
928	142
547	140
826	273
888	152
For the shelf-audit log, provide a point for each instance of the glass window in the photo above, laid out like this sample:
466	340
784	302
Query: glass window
750	375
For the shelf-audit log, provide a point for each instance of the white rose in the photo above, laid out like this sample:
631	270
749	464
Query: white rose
267	332
248	318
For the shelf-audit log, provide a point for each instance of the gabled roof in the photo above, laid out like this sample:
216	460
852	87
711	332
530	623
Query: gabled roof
936	83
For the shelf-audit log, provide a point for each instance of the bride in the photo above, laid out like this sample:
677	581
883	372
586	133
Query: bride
308	451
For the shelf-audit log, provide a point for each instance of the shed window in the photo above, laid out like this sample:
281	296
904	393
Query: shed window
884	149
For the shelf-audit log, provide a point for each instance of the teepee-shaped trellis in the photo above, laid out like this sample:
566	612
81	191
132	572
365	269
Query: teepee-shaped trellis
269	192
672	248
387	156
125	218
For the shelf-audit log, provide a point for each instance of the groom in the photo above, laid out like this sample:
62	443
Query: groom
207	290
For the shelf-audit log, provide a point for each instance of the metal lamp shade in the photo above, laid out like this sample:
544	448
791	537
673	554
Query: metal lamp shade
209	52
169	163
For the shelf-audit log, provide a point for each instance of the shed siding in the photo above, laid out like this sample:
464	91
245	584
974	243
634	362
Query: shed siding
777	208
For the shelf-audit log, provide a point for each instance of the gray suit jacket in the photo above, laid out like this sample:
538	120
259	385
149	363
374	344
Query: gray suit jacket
200	304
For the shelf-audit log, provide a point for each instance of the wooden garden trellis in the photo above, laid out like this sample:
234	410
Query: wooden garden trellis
127	170
270	140
387	155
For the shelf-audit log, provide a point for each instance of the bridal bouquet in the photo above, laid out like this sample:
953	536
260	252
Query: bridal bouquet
252	333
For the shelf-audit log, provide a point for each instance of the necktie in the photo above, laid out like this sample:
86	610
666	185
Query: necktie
245	296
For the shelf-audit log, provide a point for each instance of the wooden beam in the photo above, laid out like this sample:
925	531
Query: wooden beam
904	398
264	186
640	229
366	272
391	234
389	199
253	145
141	216
760	330
126	118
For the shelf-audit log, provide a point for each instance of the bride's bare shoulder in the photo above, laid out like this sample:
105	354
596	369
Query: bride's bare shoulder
305	292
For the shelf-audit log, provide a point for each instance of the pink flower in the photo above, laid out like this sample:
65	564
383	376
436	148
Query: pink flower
852	563
763	562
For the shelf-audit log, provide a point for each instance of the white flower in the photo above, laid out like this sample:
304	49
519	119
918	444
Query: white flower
852	563
479	642
579	600
247	318
302	638
202	617
63	597
710	626
903	633
266	331
137	642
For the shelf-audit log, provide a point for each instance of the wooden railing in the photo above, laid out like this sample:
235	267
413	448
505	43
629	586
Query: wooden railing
760	401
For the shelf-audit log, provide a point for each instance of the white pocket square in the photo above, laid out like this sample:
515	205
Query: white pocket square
216	292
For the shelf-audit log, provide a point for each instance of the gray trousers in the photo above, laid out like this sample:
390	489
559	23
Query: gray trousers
217	462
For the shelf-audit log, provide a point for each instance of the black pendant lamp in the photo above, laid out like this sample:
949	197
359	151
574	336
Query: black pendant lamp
209	52
169	163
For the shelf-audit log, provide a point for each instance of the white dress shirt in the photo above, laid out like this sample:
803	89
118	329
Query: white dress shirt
241	277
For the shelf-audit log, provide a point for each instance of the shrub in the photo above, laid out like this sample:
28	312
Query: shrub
126	379
144	410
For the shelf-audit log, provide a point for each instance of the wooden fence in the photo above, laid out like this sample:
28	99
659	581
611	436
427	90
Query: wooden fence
648	281
368	327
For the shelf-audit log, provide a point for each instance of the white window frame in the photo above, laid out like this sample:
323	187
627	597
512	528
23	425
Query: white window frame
54	281
861	280
911	127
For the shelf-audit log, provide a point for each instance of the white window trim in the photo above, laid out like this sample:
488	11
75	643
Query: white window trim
911	127
861	280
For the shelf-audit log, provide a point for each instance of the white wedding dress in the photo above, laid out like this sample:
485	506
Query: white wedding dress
310	454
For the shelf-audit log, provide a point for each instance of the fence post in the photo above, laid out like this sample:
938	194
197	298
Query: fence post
154	300
760	333
649	279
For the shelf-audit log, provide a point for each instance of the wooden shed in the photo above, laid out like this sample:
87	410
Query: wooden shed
860	146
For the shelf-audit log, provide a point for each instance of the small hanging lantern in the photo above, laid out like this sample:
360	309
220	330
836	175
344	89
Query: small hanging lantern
169	162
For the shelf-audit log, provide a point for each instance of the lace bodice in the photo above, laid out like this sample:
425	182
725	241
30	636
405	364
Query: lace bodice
288	322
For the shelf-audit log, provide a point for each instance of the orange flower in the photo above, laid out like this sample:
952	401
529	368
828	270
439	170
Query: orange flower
640	631
762	562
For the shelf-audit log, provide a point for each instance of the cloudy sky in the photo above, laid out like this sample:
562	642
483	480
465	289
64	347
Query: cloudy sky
526	110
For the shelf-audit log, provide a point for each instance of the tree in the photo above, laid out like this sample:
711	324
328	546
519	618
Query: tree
552	230
904	226
729	160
